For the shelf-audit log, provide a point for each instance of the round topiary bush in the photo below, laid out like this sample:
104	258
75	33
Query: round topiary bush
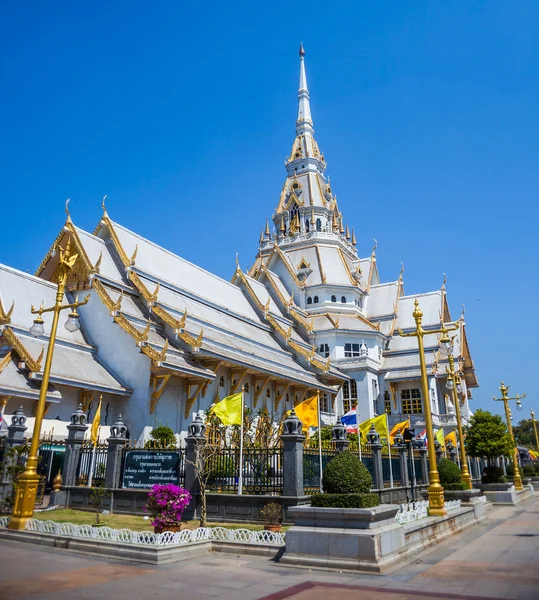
510	470
449	471
346	474
528	470
493	475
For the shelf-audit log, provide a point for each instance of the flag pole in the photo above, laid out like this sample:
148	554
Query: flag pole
358	432
92	464
319	438
240	478
389	451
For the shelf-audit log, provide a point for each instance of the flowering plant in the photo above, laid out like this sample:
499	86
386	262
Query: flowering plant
166	503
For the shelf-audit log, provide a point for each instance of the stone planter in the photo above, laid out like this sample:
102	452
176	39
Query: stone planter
499	493
462	495
494	487
349	538
172	526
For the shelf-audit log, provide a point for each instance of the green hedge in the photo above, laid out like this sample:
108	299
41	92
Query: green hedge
493	475
346	474
449	471
345	500
528	470
459	485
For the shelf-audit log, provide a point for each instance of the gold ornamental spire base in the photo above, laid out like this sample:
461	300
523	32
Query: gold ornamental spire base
25	499
436	499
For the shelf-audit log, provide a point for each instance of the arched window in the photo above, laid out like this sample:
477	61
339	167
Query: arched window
246	388
318	225
343	299
309	300
334	298
307	225
221	381
293	212
315	300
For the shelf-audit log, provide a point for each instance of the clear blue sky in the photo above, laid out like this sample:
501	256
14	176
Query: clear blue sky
183	112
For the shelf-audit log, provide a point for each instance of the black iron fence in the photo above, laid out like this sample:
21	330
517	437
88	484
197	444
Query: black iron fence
311	467
92	458
262	471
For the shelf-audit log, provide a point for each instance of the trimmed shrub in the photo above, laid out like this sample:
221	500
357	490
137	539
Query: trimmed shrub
449	472
346	474
493	475
459	485
510	470
528	470
345	500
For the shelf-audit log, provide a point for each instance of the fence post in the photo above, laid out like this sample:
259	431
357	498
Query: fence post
424	465
405	476
504	465
75	438
338	436
373	438
293	439
116	441
452	451
15	437
196	436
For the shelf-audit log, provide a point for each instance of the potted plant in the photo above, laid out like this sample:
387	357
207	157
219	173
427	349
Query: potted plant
166	504
272	514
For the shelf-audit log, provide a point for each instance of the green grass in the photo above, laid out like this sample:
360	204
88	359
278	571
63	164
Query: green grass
133	522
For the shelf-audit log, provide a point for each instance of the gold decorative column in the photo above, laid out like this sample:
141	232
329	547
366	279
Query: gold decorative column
28	481
435	490
517	479
455	379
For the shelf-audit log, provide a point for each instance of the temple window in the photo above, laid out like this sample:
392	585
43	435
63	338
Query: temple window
349	394
324	350
343	299
351	350
246	388
411	402
268	393
318	225
221	381
307	225
315	300
334	298
387	402
309	300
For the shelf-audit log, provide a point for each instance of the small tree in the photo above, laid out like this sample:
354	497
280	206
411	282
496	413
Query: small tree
524	433
12	467
163	436
487	436
96	497
205	467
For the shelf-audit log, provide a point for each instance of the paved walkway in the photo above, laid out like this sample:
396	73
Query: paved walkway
499	559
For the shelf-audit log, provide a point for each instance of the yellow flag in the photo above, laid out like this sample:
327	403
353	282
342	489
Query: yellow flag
451	438
229	409
380	424
399	428
440	437
94	433
307	412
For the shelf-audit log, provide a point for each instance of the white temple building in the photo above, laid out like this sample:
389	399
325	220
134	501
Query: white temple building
162	338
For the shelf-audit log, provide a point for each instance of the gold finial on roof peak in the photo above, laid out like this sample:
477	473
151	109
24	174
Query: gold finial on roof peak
267	231
354	242
67	209
347	232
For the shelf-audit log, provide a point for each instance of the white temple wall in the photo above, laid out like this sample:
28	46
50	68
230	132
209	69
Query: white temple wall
118	351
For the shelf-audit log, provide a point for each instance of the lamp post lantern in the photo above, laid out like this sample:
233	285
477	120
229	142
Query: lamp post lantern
505	399
25	498
435	490
455	380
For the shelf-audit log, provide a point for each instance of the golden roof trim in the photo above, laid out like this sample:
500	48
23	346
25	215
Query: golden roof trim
319	258
5	361
347	269
34	365
5	317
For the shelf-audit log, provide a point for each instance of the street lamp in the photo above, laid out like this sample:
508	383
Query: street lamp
454	385
435	490
505	399
27	484
535	429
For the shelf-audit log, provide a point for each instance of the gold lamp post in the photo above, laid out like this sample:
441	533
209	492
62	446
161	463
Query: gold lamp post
505	399
435	490
28	481
535	430
453	384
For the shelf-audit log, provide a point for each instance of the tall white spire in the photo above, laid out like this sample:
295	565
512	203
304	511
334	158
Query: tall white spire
304	124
